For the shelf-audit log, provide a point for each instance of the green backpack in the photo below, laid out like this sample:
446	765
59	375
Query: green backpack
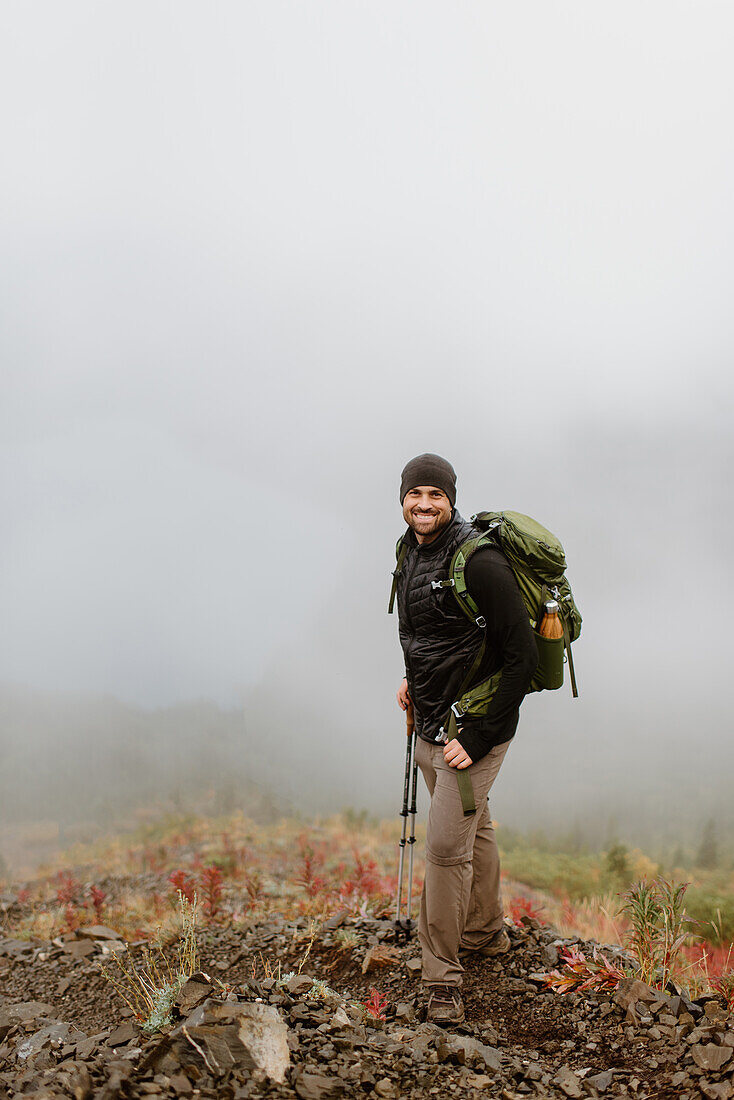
538	562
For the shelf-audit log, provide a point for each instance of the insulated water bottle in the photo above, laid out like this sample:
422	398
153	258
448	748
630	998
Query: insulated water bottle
551	625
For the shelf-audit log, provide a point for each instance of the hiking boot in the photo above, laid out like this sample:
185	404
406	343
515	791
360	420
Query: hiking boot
498	945
445	1005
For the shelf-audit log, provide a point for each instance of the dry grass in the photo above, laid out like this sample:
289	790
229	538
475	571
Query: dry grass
150	990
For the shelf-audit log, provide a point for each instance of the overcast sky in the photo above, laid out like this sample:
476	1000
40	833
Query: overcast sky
257	255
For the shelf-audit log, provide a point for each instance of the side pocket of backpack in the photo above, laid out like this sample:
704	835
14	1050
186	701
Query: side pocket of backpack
548	676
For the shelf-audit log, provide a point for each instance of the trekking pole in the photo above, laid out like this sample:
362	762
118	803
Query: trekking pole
411	838
400	925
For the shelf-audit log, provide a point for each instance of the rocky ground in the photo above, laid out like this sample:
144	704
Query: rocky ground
249	1025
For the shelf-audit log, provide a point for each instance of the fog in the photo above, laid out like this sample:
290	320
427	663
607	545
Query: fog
255	257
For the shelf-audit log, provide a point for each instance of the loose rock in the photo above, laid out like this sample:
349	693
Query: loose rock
315	1086
380	955
711	1057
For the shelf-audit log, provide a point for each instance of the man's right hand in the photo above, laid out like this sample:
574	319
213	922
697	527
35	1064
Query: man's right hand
403	697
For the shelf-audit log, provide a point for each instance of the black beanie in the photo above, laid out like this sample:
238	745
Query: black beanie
429	470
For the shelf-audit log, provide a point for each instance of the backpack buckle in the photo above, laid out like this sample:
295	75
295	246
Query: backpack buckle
442	736
481	622
443	584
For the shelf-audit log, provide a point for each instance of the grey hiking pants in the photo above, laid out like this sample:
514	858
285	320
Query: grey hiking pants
461	905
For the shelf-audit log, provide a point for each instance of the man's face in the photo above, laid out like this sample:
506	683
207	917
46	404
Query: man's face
427	510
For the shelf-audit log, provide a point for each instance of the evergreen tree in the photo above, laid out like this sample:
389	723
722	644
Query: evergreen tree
678	859
617	864
708	851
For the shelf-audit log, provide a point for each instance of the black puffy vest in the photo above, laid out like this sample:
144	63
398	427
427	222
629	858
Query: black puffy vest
439	641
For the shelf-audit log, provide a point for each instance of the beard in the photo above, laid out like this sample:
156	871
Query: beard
428	525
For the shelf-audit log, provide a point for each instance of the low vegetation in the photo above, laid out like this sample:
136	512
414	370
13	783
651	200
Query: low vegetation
237	872
590	885
150	990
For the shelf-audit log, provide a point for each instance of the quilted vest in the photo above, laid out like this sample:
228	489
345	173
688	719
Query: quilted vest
439	641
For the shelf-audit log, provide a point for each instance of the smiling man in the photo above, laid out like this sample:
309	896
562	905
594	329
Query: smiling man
461	906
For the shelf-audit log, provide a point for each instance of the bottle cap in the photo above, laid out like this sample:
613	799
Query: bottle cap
551	607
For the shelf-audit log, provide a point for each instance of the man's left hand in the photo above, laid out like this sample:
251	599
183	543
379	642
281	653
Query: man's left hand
456	755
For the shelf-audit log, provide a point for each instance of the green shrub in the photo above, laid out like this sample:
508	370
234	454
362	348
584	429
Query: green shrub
714	913
575	877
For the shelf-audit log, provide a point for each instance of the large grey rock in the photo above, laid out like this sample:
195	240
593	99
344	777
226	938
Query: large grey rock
217	1037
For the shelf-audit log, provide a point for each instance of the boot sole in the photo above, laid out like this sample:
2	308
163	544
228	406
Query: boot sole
447	1023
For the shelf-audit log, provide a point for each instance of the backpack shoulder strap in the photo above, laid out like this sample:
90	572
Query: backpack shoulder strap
457	579
400	551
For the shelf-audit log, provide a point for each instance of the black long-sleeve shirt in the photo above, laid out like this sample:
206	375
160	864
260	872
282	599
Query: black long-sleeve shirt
510	646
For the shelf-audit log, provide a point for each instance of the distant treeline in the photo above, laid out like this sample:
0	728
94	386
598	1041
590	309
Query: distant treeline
562	867
82	758
93	759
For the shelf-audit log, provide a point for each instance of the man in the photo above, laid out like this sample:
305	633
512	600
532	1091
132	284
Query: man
461	906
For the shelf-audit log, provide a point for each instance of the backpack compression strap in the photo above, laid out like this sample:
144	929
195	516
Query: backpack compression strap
466	791
571	670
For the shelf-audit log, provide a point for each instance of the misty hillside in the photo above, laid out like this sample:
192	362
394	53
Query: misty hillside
92	758
76	759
